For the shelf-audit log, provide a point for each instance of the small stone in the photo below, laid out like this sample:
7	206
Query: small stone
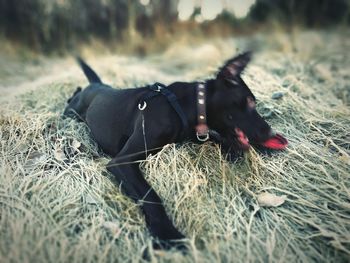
76	144
286	83
277	95
90	199
59	154
34	158
267	114
267	111
113	227
268	199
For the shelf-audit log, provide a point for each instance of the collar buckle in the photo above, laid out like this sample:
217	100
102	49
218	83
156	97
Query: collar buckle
202	137
202	132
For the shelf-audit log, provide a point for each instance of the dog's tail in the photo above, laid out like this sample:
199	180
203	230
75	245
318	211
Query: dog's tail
89	73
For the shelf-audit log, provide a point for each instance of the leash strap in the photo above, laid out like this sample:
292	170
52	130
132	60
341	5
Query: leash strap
158	89
202	129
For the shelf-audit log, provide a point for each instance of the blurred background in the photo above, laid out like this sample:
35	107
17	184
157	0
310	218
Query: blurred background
130	42
141	26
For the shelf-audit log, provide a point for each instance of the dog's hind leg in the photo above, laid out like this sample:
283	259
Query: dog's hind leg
75	108
126	170
78	90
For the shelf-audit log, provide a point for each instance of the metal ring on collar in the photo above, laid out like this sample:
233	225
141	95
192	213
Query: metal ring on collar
143	106
202	137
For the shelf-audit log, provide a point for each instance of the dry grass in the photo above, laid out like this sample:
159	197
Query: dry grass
58	204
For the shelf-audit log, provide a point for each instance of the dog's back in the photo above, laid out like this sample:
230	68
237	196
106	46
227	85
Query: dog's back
104	109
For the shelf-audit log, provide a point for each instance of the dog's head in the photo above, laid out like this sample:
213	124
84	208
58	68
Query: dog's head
232	106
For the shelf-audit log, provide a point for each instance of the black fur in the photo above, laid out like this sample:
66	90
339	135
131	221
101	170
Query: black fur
116	124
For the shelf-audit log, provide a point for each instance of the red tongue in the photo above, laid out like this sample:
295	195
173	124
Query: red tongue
277	142
242	138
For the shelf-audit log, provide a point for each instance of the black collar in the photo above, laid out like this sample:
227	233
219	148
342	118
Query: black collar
202	129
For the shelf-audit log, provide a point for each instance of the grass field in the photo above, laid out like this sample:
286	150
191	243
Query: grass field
58	203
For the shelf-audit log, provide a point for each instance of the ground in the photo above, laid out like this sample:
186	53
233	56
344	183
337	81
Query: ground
59	204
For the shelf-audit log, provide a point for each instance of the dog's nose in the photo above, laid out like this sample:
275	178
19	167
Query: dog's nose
264	133
265	130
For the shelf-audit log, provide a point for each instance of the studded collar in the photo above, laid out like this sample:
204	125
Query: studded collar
202	129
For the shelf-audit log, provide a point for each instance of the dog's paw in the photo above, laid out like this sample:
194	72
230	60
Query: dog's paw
158	246
164	230
176	244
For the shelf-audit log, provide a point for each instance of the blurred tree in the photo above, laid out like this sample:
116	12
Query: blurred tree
311	13
47	25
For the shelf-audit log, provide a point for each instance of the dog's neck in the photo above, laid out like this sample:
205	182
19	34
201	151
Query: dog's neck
196	102
188	97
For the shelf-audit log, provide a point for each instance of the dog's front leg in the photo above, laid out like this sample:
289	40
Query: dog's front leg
227	146
126	171
229	151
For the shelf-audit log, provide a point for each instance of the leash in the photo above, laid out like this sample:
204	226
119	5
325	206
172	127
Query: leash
202	129
160	89
144	134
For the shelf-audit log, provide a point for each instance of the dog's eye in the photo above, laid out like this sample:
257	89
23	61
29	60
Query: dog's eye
250	103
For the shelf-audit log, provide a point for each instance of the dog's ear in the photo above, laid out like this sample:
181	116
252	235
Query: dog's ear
235	66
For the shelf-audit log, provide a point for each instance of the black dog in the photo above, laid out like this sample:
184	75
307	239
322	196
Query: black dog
129	124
